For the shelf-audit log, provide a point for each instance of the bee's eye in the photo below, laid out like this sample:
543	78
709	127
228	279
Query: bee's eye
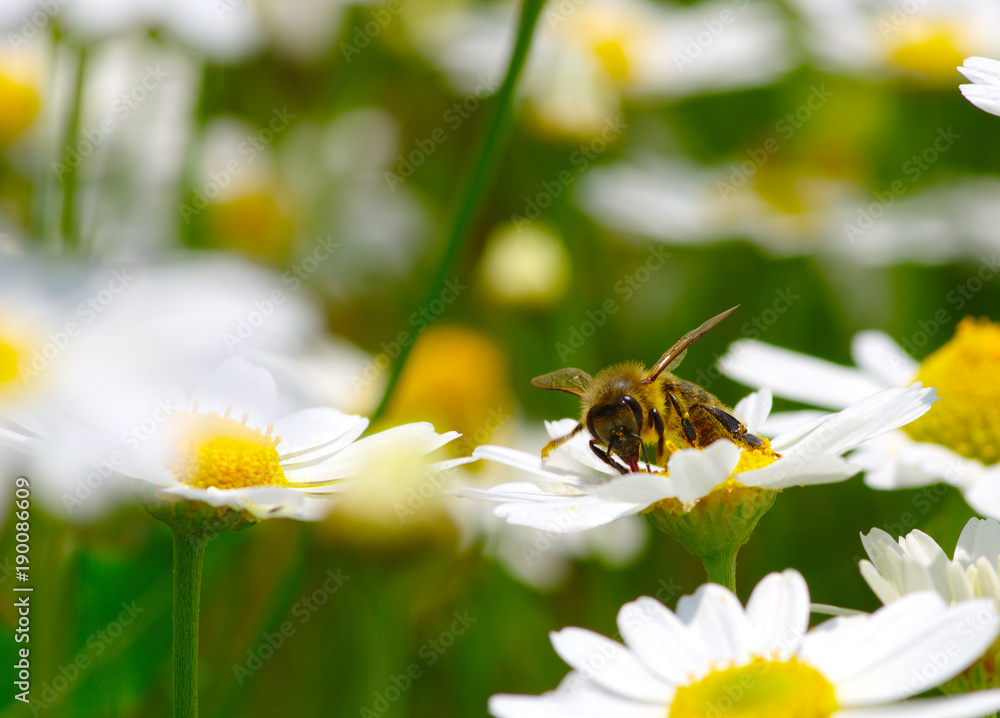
633	404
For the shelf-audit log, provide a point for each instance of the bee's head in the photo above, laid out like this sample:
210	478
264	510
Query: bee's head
618	425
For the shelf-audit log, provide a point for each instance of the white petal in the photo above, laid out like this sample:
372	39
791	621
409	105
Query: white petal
880	586
566	514
977	704
718	617
754	408
778	611
695	472
351	461
981	70
662	641
610	665
861	421
902	649
980	539
799	471
638	488
986	98
262	501
792	422
579	702
310	429
534	464
883	358
796	376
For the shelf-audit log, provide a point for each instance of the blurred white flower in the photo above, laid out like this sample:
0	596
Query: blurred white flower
92	359
984	93
225	448
587	57
957	442
712	655
924	40
574	490
680	204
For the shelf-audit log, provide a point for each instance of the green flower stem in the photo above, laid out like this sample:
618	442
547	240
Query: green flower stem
721	567
69	224
189	554
476	180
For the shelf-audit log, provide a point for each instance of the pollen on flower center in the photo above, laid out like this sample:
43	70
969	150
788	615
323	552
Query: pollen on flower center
760	689
965	373
219	451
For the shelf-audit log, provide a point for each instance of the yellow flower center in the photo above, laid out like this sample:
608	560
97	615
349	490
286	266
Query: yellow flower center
213	450
8	362
610	36
256	223
20	106
760	689
966	373
925	46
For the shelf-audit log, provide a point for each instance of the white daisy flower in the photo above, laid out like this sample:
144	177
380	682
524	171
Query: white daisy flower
984	93
923	39
586	58
916	563
957	441
712	657
227	450
574	490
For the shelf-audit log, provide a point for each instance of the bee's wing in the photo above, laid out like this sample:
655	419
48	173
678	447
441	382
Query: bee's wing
675	354
570	380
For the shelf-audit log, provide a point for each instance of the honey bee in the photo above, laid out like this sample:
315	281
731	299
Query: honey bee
625	407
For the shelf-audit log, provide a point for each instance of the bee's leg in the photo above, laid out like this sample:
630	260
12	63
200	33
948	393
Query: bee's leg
556	443
656	421
733	426
645	456
686	426
607	458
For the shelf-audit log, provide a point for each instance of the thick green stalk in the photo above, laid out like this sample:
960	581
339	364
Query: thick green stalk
189	554
476	180
721	568
70	222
